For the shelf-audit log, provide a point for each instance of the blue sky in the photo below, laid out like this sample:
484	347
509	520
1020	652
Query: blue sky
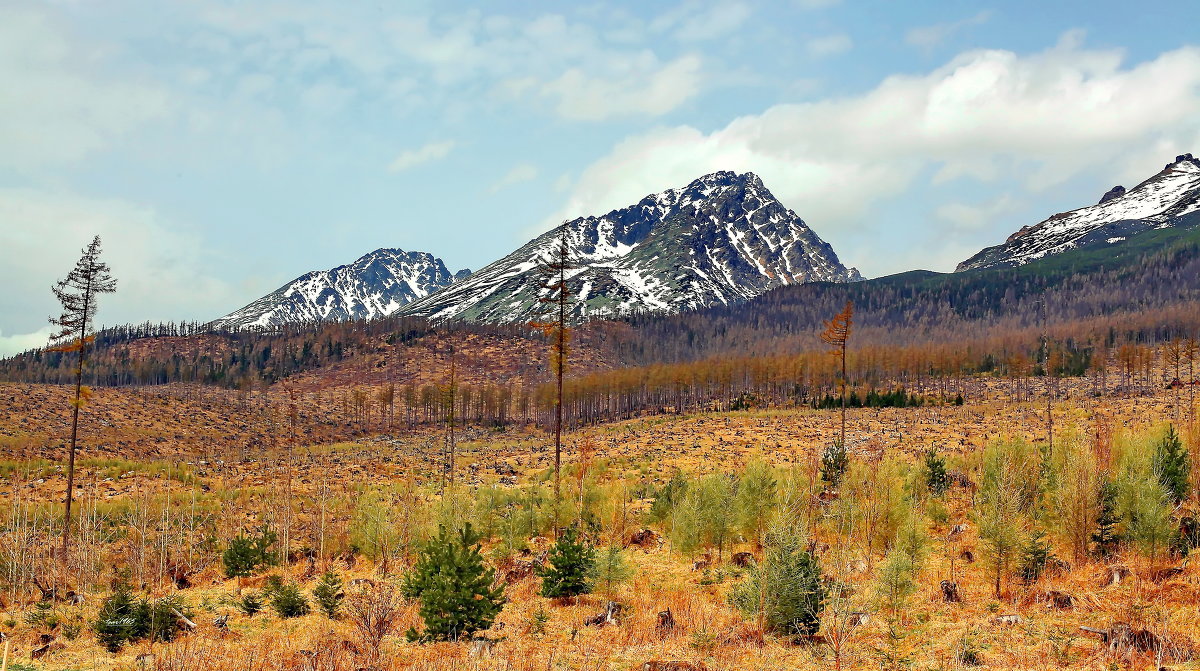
221	149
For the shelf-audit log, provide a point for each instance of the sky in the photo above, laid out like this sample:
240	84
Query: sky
223	149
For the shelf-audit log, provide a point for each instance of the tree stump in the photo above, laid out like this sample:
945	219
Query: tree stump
950	592
666	622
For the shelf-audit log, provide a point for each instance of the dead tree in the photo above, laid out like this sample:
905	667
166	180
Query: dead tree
837	335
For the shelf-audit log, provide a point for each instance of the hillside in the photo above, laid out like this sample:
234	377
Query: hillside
1170	198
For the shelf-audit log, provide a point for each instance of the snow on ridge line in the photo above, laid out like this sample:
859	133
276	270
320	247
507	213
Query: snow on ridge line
641	258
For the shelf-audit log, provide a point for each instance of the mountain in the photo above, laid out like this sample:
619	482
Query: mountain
722	239
375	285
1170	198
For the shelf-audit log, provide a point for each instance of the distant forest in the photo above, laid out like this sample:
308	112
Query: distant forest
1101	312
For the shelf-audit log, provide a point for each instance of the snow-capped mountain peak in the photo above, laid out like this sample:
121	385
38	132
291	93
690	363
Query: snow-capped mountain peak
722	238
377	284
1169	198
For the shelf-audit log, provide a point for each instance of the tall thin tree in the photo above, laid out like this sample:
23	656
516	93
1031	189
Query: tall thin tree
837	334
558	297
77	293
451	401
1047	373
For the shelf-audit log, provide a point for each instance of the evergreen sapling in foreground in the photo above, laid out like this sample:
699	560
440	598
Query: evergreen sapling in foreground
571	563
454	587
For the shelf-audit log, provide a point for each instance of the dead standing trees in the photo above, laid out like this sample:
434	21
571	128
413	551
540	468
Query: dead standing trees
837	335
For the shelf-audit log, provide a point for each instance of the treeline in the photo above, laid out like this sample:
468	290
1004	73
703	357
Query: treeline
1107	315
1144	295
149	354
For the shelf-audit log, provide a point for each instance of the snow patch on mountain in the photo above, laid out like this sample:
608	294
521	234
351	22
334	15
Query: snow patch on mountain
1158	202
376	285
721	239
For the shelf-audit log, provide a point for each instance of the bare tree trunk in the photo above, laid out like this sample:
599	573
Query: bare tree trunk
75	424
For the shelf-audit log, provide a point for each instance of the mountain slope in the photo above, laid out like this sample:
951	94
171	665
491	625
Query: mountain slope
722	239
1170	198
375	285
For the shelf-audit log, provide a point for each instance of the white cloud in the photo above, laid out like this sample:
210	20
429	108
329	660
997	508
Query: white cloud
713	22
572	65
23	342
641	87
1049	116
829	45
57	104
521	172
163	272
411	158
928	37
975	216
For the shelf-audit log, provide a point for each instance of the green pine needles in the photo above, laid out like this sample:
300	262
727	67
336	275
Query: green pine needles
1034	557
288	601
786	590
834	462
935	473
454	587
124	618
246	554
329	594
1106	537
572	562
1171	465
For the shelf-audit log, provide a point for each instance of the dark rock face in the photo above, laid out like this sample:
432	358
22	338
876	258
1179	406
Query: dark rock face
1115	192
722	239
375	285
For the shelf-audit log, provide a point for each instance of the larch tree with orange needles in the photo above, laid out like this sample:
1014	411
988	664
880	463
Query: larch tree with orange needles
837	334
77	293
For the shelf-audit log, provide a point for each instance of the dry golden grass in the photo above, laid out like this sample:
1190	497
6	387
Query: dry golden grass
159	445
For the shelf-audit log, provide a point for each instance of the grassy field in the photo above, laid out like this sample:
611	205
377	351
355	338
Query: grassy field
157	512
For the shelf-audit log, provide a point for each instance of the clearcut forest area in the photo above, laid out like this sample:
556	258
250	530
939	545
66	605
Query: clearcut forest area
692	336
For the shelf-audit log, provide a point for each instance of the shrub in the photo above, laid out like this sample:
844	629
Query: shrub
328	594
372	530
42	614
935	473
250	604
1146	507
374	612
288	601
453	586
1171	465
123	619
1008	489
668	497
834	461
896	581
1034	557
786	589
1105	537
755	498
272	584
610	568
245	555
571	562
